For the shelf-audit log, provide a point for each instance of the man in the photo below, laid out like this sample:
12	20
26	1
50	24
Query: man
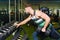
36	14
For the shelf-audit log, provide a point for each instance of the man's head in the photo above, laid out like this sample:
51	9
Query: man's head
27	7
27	4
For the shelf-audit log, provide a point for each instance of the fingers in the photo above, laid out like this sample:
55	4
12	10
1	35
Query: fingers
16	24
43	30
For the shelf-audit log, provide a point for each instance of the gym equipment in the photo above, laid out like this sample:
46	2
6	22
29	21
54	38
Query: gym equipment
19	36
45	10
8	29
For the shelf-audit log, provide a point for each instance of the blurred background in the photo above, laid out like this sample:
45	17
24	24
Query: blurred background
11	10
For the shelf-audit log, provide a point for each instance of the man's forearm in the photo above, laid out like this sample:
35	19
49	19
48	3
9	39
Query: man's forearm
25	21
47	23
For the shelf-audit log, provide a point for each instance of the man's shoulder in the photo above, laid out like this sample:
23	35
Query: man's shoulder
38	10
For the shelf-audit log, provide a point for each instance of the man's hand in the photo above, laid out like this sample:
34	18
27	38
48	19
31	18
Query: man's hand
43	30
16	24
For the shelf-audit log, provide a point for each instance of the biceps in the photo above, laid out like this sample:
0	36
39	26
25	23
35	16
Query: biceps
46	17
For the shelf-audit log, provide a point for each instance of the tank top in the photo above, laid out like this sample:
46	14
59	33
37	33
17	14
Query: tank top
40	22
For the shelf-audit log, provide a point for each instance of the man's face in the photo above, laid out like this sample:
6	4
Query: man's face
27	10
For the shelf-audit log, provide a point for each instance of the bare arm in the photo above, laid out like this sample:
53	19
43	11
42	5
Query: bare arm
25	21
46	18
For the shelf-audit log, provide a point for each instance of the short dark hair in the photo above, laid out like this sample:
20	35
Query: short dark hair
27	4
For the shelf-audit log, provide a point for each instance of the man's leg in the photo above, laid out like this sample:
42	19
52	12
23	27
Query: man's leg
54	34
35	35
37	32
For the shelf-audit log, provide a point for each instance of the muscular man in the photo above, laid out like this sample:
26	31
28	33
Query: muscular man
38	16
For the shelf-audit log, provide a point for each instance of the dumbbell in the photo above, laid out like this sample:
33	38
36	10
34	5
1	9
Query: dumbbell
47	33
14	27
20	37
11	28
7	30
15	23
2	34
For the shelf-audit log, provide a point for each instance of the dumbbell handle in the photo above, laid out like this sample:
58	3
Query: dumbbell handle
15	24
